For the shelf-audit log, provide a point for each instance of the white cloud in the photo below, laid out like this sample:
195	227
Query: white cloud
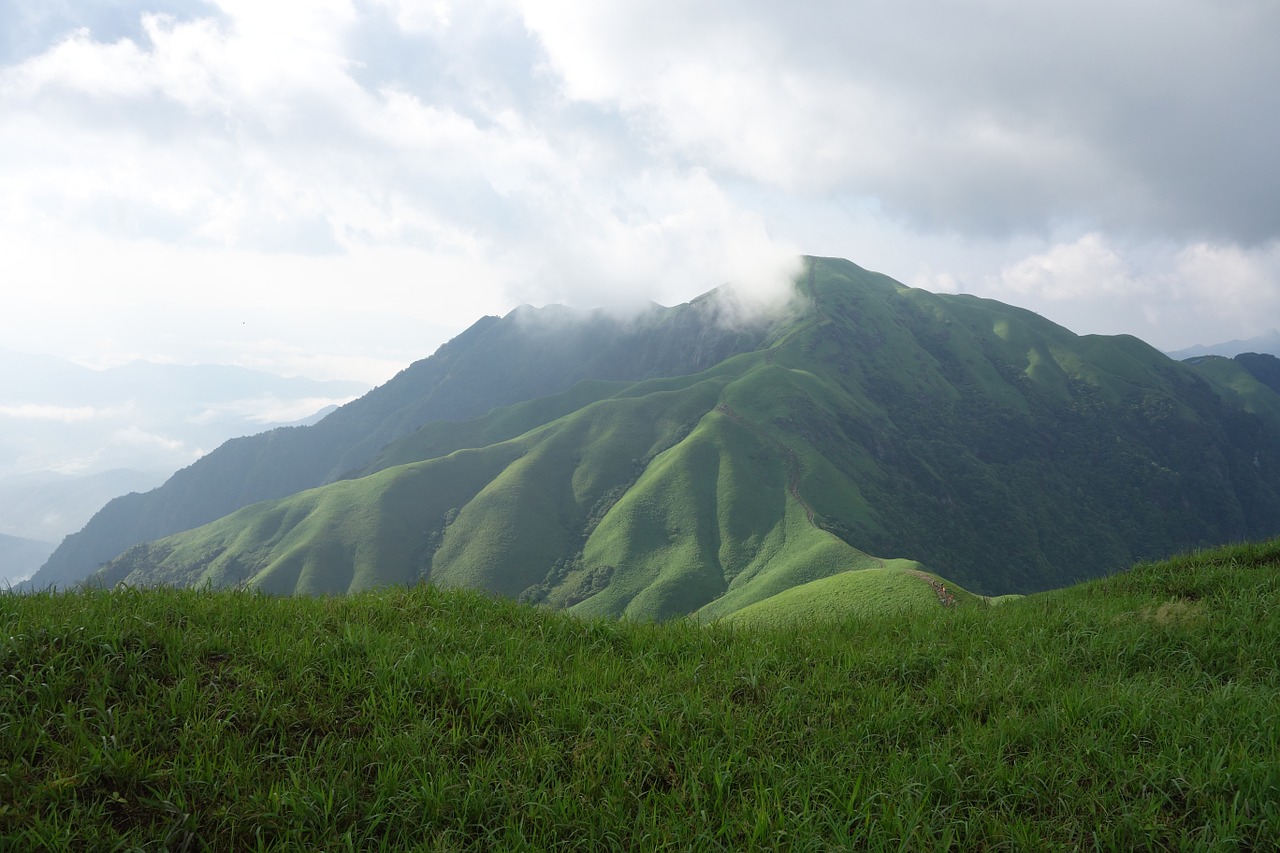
1242	286
142	438
418	16
926	278
337	185
1086	268
267	409
59	414
973	116
1168	294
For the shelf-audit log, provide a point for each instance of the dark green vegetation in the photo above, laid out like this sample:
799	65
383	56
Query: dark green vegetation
980	440
1264	367
1138	712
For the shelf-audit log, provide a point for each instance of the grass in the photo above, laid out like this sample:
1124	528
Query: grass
1236	384
864	593
1139	712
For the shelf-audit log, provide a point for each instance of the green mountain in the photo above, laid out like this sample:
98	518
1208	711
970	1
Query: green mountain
527	354
975	438
1262	366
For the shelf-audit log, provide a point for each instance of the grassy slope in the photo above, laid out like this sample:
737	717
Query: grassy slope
891	588
690	506
1238	385
1136	712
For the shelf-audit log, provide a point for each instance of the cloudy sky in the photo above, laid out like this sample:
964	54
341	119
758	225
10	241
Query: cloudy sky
334	187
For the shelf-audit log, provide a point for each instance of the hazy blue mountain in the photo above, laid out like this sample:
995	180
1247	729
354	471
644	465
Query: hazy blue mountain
69	434
1268	343
19	558
49	380
47	505
59	416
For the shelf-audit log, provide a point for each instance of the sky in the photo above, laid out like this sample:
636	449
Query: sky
333	188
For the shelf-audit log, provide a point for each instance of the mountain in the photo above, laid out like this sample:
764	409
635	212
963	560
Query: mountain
1262	366
56	416
20	557
1268	343
978	439
48	505
73	438
498	361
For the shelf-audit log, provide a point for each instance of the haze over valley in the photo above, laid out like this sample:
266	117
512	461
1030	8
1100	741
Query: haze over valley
72	438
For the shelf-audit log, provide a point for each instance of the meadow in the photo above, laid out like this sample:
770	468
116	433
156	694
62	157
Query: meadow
1136	712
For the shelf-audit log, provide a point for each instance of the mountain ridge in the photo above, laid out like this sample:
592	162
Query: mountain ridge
981	440
1268	343
500	350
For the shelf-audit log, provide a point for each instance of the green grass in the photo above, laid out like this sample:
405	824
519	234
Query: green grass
862	593
1235	384
1138	712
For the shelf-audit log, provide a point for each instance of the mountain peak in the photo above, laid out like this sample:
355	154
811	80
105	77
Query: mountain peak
680	465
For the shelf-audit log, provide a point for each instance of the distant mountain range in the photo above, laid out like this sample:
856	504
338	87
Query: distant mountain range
72	438
1266	344
60	416
681	462
19	558
47	505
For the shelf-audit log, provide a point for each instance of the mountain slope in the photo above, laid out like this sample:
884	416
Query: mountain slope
527	354
978	439
1263	366
899	587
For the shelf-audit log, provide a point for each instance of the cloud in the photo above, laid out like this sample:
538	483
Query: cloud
1085	268
987	117
309	185
142	438
267	409
1169	294
418	16
59	414
1240	285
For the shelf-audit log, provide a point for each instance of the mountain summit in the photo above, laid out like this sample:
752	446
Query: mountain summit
676	464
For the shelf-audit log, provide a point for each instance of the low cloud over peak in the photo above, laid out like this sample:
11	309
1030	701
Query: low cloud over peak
422	164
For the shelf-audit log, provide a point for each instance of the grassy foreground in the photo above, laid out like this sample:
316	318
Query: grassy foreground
1137	712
